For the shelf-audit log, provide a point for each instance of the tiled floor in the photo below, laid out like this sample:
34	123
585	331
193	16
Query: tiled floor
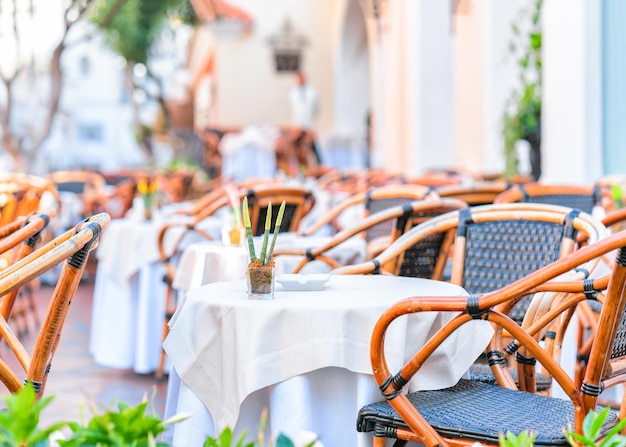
76	381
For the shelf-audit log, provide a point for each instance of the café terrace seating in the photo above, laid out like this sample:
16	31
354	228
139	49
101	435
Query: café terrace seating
477	193
403	217
23	194
588	311
71	249
494	245
371	201
451	227
18	239
584	198
476	411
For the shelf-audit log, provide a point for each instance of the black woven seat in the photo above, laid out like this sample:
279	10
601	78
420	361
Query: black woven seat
473	410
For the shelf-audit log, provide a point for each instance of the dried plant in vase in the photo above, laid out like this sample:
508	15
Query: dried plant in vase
260	271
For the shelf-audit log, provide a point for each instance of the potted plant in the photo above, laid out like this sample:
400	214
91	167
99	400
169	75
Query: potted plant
260	272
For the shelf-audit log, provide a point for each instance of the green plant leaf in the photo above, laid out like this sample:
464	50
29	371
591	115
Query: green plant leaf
284	441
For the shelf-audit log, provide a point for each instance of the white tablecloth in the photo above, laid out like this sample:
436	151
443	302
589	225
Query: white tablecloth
129	293
236	355
207	262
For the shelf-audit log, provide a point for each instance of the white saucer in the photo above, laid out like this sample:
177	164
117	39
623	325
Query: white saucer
313	281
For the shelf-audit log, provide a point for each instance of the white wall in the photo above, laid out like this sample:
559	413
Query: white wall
93	98
415	131
571	146
351	80
500	74
249	91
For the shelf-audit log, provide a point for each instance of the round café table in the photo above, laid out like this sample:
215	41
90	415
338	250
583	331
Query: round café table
303	355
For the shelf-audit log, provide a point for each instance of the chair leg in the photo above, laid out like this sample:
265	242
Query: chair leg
379	442
170	308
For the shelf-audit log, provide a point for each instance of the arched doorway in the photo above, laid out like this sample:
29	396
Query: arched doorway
352	83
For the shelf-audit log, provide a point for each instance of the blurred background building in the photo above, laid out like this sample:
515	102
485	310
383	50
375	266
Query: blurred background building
403	85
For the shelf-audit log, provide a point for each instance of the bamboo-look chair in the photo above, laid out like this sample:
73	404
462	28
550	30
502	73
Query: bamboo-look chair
8	208
584	198
299	201
355	181
494	245
18	239
167	255
373	200
405	216
72	250
588	311
116	201
474	411
28	191
78	181
478	193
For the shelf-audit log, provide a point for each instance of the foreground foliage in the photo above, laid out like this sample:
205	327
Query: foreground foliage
124	426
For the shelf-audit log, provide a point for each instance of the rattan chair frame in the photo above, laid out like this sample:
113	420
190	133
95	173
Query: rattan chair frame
167	255
72	250
582	197
588	311
405	217
299	201
28	191
408	416
19	239
491	268
475	194
368	199
389	261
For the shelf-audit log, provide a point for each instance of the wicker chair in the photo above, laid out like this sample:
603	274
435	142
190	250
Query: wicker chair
298	203
584	198
494	246
72	250
478	193
28	192
588	311
168	255
474	411
372	201
404	217
18	239
78	182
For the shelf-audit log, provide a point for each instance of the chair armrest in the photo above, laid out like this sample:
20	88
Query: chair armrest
333	214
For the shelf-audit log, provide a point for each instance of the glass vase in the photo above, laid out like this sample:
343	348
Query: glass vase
261	280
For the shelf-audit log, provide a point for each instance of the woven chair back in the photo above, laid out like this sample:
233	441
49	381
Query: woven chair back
427	257
500	252
385	197
584	198
478	193
298	202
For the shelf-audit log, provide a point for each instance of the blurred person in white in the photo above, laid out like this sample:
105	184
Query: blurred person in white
304	101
